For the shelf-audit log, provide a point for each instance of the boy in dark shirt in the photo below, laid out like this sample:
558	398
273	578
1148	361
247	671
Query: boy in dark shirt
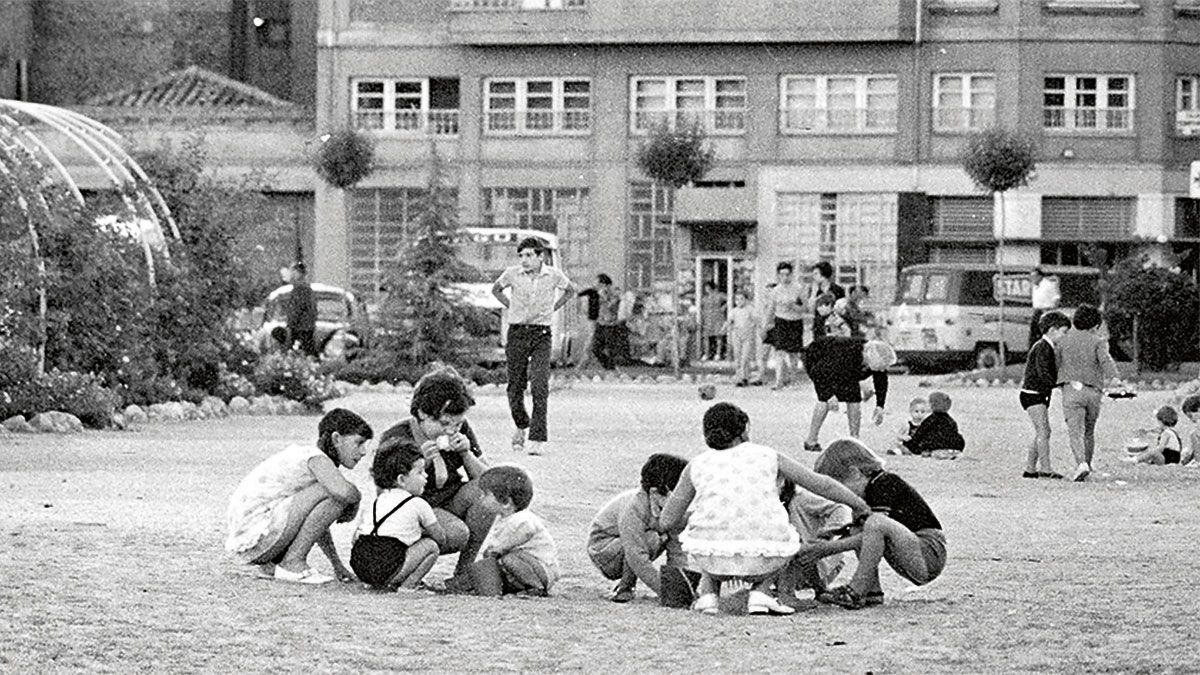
938	431
836	365
1041	377
901	528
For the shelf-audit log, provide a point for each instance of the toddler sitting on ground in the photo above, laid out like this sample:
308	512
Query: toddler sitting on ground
918	410
937	435
625	539
518	555
1168	447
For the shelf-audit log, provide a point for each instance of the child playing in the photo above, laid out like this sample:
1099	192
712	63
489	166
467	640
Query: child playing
938	431
518	556
737	530
901	528
624	539
287	503
398	548
835	321
918	410
1168	447
742	327
822	309
813	517
1191	409
1041	377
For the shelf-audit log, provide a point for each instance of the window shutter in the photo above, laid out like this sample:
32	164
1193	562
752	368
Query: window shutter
1087	218
964	217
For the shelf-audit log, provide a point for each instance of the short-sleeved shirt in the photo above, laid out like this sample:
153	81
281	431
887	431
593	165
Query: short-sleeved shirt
787	302
437	495
532	295
904	504
743	320
408	524
523	531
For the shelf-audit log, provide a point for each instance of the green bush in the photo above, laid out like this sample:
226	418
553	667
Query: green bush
1165	304
83	396
292	375
376	367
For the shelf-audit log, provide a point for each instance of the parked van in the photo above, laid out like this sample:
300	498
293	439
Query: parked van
491	250
948	314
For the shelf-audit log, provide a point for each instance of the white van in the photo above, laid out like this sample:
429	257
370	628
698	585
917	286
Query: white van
491	250
948	314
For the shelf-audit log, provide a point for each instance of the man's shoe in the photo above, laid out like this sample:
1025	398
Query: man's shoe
535	447
1053	475
1031	474
1081	472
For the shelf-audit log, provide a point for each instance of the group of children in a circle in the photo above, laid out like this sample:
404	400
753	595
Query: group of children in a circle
739	520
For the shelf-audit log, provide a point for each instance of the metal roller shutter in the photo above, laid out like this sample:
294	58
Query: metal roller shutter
1087	218
964	217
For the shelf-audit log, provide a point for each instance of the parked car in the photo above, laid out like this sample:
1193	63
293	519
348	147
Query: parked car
342	323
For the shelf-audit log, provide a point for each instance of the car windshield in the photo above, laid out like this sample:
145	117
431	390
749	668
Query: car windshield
912	289
331	308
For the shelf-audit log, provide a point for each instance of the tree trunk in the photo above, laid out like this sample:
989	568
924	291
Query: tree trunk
35	245
1000	267
675	366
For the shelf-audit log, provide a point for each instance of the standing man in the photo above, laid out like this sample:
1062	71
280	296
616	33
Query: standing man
1084	368
537	291
302	313
1045	296
608	324
588	335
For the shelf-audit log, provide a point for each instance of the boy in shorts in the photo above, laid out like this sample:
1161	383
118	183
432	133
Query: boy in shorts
1041	377
836	365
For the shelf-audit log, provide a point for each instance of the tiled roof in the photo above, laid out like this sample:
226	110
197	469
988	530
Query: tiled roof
193	88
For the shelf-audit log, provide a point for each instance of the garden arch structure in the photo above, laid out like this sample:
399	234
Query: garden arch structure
22	148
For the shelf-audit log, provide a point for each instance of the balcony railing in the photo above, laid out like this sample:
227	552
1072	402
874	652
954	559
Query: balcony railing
1088	119
541	122
716	121
838	120
427	122
516	5
963	118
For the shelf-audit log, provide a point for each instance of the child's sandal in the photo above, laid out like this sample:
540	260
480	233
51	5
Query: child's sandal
845	597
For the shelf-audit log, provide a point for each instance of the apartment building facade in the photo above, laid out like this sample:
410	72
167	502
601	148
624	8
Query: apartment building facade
837	129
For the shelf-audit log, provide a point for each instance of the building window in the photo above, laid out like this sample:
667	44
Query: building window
538	106
1187	105
1087	218
717	104
964	102
838	104
965	218
413	106
649	237
381	222
542	209
855	232
517	5
1087	102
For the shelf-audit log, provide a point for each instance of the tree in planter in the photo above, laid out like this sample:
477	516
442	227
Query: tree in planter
673	158
344	158
423	317
1164	305
997	161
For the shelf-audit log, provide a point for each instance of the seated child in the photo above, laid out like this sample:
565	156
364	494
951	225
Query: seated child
918	410
399	514
1191	409
812	516
835	323
734	528
938	431
624	539
1167	448
901	528
518	555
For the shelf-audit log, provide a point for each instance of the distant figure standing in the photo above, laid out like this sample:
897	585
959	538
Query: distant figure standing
1045	296
588	333
607	345
742	327
858	319
302	313
1084	368
534	287
822	284
712	323
784	322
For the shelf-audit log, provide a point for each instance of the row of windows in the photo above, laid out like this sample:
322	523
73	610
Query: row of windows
854	104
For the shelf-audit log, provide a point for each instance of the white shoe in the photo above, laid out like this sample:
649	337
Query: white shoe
761	603
706	604
1081	472
308	576
535	447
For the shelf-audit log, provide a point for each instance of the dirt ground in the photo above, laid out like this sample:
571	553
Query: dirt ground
112	555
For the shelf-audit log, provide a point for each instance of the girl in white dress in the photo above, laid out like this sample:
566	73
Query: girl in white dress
738	530
287	503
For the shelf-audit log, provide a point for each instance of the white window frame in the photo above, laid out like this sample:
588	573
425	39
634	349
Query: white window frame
1187	105
563	119
425	121
820	112
717	121
1100	118
971	115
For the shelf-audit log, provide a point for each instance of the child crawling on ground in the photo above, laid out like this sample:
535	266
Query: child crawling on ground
901	529
625	540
